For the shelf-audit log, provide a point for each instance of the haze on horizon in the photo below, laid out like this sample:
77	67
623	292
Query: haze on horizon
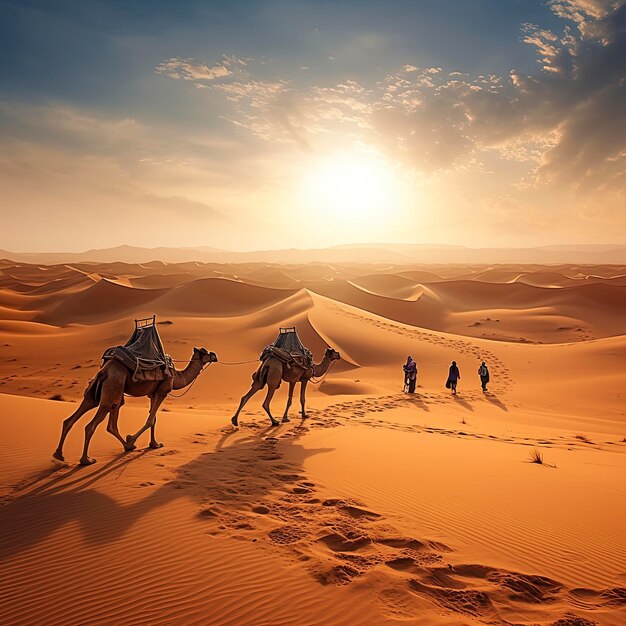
274	124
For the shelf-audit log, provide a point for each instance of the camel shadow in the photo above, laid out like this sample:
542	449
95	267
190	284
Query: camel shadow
231	477
490	397
79	474
463	403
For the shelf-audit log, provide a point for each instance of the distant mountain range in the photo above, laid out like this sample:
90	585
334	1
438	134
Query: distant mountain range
355	253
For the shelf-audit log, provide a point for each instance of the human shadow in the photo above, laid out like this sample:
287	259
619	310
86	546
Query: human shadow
417	401
463	403
490	397
232	477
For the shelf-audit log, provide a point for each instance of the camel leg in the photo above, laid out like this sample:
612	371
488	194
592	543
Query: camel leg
114	430
292	386
256	386
154	444
155	403
90	429
268	399
87	404
303	385
273	378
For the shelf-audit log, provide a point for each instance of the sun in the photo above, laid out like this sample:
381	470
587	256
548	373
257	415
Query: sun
348	186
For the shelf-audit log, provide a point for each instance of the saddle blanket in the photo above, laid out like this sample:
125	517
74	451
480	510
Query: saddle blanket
143	369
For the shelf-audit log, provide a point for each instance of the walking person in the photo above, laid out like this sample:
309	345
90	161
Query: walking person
410	374
453	377
483	372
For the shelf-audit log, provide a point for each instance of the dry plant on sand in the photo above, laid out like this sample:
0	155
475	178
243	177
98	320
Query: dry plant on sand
536	456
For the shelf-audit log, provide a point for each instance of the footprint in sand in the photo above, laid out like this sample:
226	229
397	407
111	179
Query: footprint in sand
339	540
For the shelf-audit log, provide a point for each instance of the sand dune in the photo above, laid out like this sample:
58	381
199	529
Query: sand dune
381	508
388	285
99	301
218	296
421	276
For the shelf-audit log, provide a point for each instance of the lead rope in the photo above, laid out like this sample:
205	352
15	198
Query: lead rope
222	362
238	362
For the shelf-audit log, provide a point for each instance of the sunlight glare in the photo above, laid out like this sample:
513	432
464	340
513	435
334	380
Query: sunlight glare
350	186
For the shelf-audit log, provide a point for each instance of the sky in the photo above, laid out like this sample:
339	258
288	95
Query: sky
264	124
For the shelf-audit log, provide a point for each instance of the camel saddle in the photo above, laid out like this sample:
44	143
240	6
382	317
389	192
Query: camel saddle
301	360
143	353
289	349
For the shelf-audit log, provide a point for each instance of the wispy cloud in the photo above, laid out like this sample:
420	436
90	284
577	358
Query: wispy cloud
191	69
198	70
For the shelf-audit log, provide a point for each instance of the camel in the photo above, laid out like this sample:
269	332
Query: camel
106	391
272	371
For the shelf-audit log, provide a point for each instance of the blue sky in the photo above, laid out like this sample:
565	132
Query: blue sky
88	99
102	54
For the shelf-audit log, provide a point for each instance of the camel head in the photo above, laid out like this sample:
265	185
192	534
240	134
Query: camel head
204	356
332	355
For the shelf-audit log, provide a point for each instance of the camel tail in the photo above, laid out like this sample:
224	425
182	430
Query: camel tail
260	376
94	387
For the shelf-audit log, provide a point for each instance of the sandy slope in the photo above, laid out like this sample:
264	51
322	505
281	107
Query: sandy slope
380	508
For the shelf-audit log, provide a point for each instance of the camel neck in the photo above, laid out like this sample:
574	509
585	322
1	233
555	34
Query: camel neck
182	378
322	367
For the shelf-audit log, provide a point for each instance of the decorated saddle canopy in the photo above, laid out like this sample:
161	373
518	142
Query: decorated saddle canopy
143	353
289	349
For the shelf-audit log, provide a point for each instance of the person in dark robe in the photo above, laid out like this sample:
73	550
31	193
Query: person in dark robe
483	372
453	377
410	374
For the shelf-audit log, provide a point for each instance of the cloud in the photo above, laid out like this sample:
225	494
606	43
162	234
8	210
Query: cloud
256	93
191	69
565	120
105	175
63	124
197	70
580	11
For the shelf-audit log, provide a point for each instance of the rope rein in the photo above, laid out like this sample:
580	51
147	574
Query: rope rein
180	395
322	377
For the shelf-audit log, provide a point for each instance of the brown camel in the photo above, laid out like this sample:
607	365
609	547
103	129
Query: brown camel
106	391
272	371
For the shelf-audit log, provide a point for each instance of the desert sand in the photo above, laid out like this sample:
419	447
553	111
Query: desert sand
380	508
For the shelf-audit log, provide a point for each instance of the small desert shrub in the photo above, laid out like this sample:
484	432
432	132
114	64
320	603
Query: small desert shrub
57	396
536	456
